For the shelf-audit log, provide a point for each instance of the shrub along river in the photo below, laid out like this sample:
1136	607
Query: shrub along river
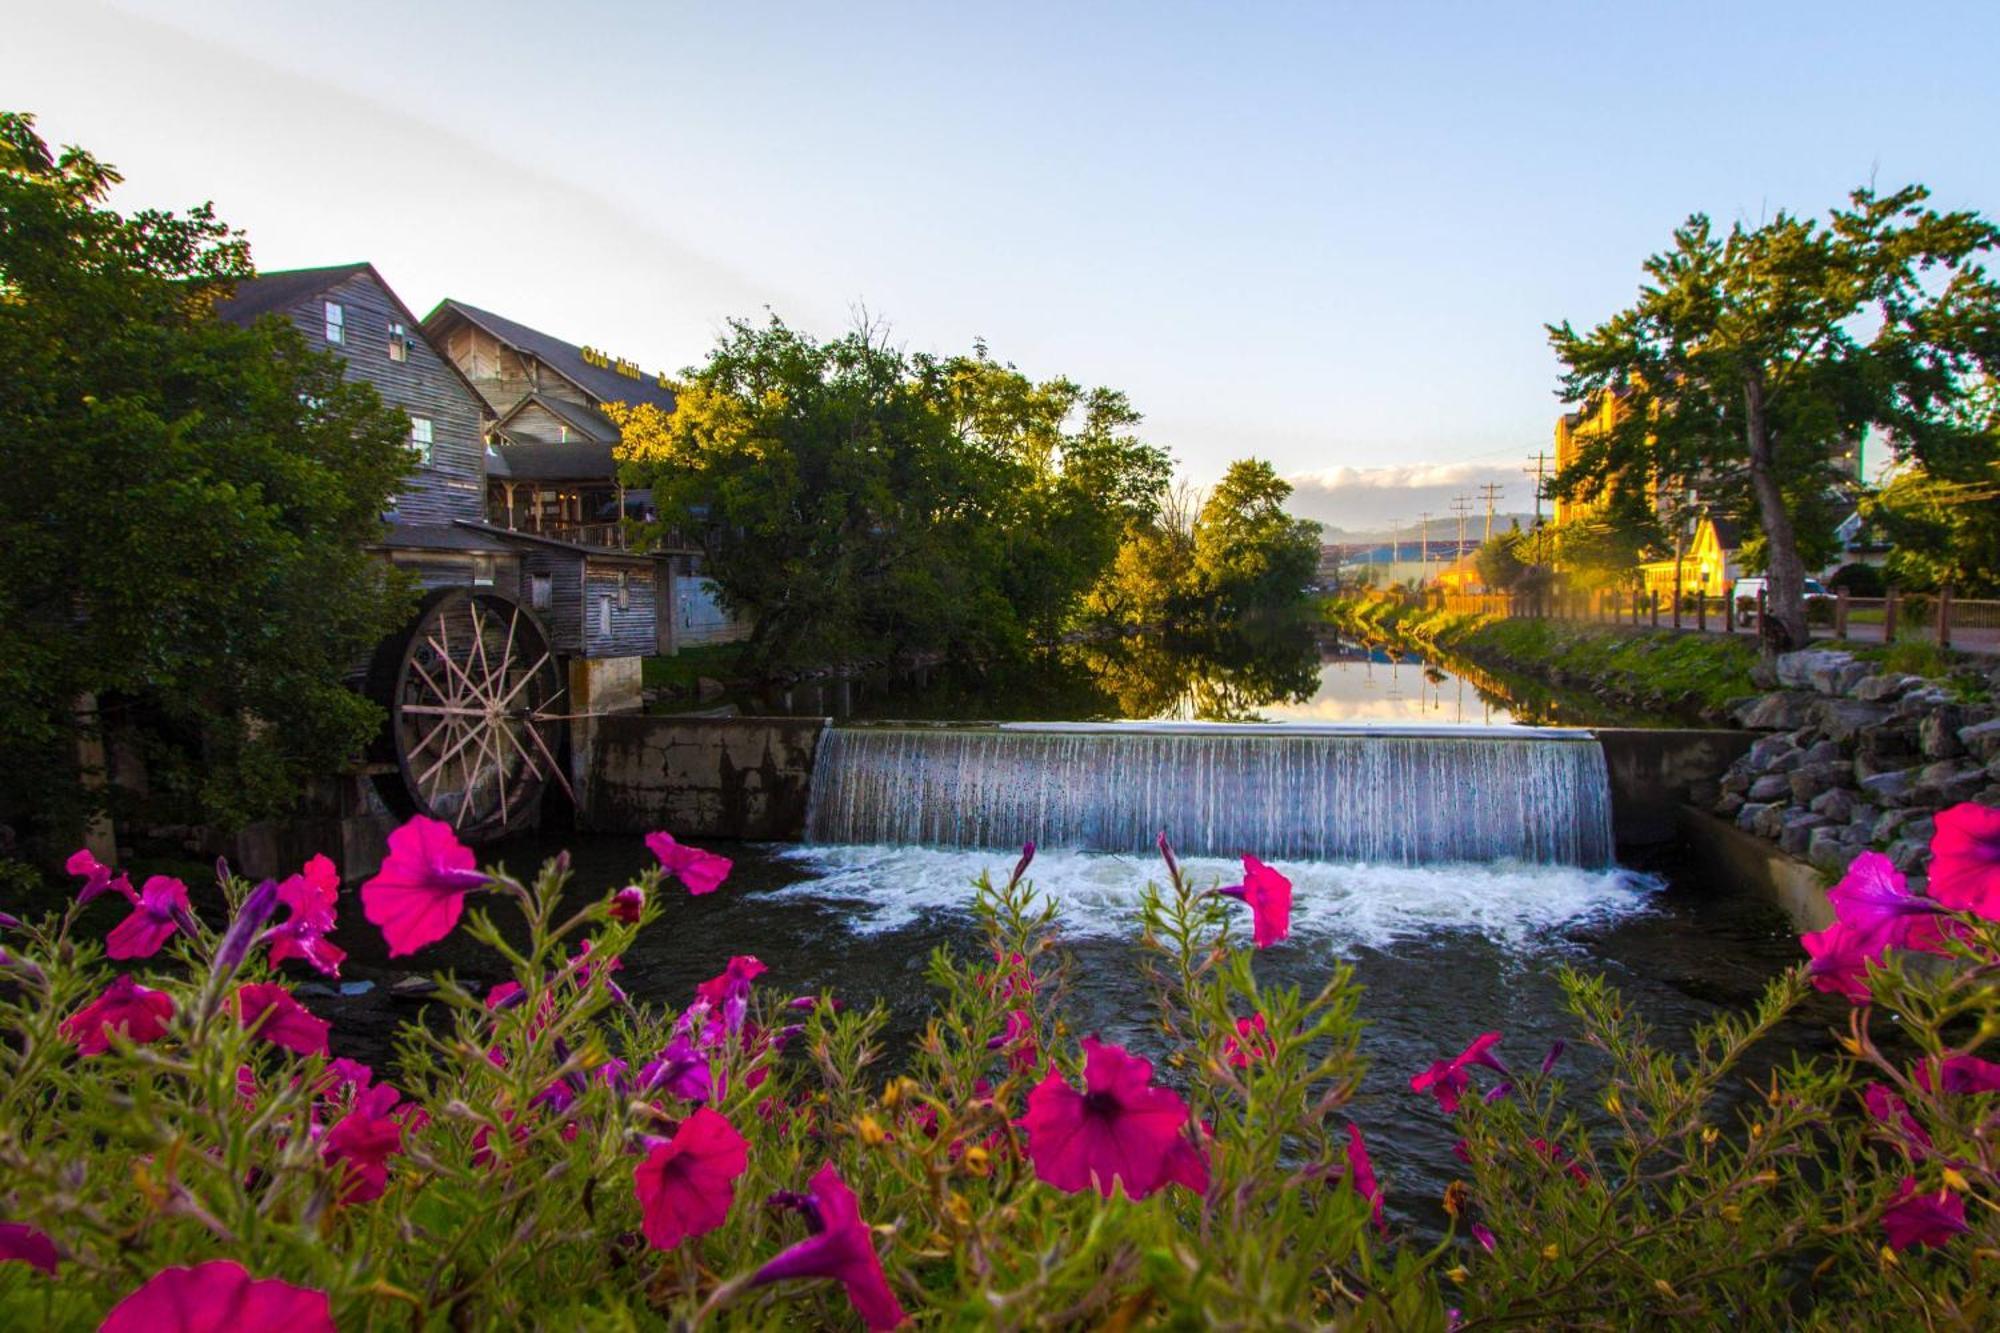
1444	950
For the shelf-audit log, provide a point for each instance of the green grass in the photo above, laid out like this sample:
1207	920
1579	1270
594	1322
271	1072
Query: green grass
715	660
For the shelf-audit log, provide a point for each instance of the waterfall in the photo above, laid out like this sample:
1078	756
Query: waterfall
1405	796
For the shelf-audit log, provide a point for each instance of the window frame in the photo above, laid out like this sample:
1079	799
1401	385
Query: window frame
423	434
335	315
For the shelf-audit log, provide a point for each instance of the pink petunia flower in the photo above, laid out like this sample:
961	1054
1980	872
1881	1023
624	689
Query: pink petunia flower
627	904
1485	1237
1923	1219
679	1069
1251	1043
1270	897
1120	1127
219	1296
310	898
159	910
1893	1113
1840	956
1447	1080
1875	901
1960	1073
23	1243
1361	1171
1965	860
841	1248
270	1012
729	992
361	1143
702	872
686	1184
97	878
418	894
125	1006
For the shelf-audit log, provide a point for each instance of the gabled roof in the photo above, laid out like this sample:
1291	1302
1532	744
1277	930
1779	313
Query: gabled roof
565	358
572	460
593	423
268	293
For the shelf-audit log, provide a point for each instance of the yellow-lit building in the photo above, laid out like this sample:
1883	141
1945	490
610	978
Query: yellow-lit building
1595	418
1709	565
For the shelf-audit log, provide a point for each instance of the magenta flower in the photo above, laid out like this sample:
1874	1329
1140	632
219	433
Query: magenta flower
23	1243
1922	1219
1270	897
687	1183
97	878
1018	1040
270	1013
125	1006
219	1296
310	898
361	1143
1961	1073
1965	860
1557	1155
1485	1238
841	1248
418	894
679	1069
702	872
160	909
1447	1080
1167	855
1251	1043
729	991
1875	901
1361	1171
1120	1127
1894	1115
1840	957
627	904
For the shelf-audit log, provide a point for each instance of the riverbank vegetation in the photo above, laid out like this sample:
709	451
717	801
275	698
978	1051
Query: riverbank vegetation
856	501
180	1140
184	580
1696	676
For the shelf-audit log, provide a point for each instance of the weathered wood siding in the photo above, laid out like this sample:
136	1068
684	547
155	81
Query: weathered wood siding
453	486
564	613
501	573
538	425
634	626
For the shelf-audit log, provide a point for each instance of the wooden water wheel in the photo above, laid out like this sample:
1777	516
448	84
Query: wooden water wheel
473	733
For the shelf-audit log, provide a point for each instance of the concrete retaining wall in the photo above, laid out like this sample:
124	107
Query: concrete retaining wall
699	777
1653	771
1728	857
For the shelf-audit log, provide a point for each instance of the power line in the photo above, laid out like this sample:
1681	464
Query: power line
1491	492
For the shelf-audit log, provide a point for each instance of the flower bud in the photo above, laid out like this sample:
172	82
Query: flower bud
255	914
627	904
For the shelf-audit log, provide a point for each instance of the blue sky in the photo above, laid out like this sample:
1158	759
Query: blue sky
1327	235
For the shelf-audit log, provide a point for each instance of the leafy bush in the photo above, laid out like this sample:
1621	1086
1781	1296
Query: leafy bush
182	1150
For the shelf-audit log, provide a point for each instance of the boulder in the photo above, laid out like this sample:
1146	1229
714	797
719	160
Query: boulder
1839	678
1886	688
1795	670
1937	732
1825	752
1830	848
1837	804
1763	675
1981	738
1891	788
1947	782
1918	702
1885	743
1889	822
1784	710
1728	805
1795	832
1771	787
1737	781
1844	719
1810	780
1767	750
1751	815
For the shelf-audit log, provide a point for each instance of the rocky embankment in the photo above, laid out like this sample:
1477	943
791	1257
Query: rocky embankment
1857	759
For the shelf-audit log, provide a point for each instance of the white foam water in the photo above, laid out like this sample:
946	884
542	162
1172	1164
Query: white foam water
880	888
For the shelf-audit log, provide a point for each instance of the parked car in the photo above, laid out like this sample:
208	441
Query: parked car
1746	592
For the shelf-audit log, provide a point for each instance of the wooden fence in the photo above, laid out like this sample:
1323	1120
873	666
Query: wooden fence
1939	617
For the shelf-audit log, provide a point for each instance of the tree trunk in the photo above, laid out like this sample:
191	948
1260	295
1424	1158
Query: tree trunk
1783	626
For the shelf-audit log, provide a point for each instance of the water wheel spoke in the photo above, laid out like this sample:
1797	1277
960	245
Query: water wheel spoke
522	683
554	768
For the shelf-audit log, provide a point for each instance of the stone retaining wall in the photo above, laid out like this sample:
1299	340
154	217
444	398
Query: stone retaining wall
1855	759
1655	770
699	777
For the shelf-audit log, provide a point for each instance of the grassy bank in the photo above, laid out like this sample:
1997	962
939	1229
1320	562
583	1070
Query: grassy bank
1692	675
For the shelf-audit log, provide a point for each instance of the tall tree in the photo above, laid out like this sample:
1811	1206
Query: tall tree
1249	554
1751	356
181	536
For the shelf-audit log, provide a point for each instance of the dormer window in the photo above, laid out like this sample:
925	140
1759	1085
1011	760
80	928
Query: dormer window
336	323
399	343
420	439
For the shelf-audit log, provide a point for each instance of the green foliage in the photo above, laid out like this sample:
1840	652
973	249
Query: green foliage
185	543
1944	530
1251	556
858	501
1504	559
1749	358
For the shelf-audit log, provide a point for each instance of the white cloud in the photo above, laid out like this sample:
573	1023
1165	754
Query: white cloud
1378	499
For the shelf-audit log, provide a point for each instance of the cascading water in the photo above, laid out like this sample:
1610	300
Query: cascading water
1409	796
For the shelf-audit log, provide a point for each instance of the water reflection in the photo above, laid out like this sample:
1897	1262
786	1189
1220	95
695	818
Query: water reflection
1284	671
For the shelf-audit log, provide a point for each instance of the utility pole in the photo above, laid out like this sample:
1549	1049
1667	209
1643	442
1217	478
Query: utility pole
1424	546
1461	505
1491	492
1538	472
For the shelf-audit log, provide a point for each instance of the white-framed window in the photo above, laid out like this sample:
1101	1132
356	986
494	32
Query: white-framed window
336	323
624	591
420	439
540	591
604	616
399	343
